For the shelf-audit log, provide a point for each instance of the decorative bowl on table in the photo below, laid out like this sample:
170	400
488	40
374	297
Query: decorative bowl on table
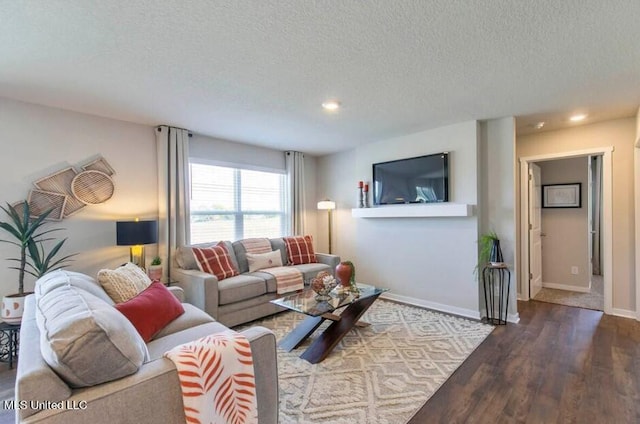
322	285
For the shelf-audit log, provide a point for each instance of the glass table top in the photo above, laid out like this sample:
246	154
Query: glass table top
305	302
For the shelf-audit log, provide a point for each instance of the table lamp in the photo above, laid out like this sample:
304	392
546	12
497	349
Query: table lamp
327	205
136	234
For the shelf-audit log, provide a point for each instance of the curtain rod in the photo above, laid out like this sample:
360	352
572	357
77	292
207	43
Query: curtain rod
178	128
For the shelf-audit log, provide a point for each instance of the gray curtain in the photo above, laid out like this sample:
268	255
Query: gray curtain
173	193
294	162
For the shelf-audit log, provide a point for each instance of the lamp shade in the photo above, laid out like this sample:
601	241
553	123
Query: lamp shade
326	205
132	233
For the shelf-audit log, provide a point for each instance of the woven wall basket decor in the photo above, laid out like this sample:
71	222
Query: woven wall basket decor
92	187
60	182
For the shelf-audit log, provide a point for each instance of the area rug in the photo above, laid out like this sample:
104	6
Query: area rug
378	374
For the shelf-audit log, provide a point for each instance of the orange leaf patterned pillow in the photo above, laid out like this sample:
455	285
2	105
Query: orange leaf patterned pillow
300	250
215	260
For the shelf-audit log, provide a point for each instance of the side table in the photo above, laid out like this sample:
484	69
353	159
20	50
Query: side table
496	277
9	342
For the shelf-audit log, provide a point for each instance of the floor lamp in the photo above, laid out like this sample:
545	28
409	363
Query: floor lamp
327	205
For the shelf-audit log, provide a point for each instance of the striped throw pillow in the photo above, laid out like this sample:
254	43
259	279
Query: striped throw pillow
215	260
300	250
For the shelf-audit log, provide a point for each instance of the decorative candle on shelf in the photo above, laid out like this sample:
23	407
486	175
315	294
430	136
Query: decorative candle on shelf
360	195
366	195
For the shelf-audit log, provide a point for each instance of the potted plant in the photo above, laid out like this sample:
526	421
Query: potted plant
155	269
346	275
490	252
28	235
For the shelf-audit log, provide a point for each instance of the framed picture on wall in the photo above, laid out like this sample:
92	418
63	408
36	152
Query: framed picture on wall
562	195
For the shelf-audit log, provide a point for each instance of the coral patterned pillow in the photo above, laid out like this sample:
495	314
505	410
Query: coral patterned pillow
215	260
300	250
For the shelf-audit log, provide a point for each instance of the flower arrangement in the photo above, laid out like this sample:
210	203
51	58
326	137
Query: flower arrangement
322	284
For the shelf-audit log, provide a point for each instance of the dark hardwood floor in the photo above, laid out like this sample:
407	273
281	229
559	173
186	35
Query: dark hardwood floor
558	365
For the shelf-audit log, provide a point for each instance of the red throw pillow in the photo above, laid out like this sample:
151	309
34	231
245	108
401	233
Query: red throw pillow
151	310
215	260
300	250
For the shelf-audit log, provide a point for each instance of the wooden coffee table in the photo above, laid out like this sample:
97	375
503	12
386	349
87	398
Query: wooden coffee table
318	311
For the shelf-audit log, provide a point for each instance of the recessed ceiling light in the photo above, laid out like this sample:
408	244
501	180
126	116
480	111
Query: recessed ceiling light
331	105
578	117
539	125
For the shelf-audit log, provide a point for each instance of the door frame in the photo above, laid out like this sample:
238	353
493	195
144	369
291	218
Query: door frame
607	214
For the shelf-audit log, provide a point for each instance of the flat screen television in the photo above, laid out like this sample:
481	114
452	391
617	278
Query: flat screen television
423	179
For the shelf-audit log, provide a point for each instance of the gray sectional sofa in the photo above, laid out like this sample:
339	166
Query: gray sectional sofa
105	350
245	297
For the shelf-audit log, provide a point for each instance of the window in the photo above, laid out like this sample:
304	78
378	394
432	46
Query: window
232	204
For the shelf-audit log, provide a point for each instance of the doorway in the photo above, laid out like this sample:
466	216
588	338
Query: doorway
564	237
533	238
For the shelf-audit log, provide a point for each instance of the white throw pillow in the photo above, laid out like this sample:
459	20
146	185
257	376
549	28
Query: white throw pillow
259	261
123	283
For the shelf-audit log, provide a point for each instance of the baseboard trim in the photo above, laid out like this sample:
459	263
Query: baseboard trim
567	287
624	313
467	313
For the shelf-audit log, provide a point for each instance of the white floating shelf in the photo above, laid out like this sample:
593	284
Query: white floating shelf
414	211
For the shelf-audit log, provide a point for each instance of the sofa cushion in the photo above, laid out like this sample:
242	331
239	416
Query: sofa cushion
300	250
279	245
239	288
191	317
215	260
123	283
186	259
85	340
258	261
160	345
151	310
62	277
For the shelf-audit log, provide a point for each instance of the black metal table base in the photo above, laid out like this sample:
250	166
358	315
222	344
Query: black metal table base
9	343
496	277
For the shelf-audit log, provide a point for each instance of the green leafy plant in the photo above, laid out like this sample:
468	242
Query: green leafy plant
42	262
486	243
156	261
28	235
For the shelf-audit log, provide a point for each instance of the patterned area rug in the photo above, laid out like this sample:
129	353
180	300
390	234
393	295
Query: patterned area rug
378	374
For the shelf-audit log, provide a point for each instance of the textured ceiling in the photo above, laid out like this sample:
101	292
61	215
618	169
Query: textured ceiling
256	71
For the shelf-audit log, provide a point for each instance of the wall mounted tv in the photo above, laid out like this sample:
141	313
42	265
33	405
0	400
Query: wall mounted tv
423	179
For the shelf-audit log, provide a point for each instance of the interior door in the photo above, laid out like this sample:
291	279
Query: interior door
535	231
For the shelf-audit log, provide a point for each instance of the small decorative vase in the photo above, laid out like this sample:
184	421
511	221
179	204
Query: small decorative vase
360	198
345	273
495	257
12	308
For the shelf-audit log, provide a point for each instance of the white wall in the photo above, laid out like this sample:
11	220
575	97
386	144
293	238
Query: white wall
621	134
566	240
497	193
427	260
37	141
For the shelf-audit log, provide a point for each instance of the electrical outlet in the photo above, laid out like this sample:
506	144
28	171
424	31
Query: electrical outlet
574	270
